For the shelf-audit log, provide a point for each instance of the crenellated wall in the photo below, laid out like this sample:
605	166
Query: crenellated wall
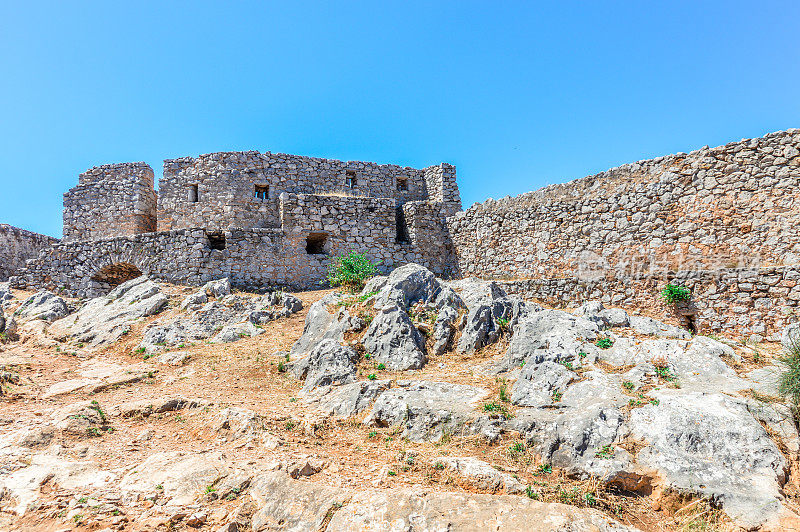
18	246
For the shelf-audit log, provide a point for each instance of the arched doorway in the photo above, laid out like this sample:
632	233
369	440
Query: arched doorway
114	275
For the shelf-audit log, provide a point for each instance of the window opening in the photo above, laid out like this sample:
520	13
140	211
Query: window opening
315	243
261	192
194	195
216	240
350	179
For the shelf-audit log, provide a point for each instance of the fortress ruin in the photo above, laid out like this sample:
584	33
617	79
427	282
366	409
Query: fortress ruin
719	220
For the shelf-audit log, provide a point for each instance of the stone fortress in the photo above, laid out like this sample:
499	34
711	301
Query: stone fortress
720	220
262	219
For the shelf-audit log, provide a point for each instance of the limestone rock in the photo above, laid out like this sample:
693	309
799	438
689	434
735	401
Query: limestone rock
145	408
482	475
197	298
549	335
394	341
218	288
183	476
649	326
791	336
426	410
709	444
538	383
603	317
43	305
443	330
237	331
346	400
329	364
106	319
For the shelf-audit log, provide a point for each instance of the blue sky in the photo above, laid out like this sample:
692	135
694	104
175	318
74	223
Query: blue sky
516	94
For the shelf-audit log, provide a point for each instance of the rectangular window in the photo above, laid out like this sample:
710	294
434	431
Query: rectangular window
194	195
261	192
350	179
402	184
316	243
216	239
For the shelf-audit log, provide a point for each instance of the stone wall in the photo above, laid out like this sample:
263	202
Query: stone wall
734	205
314	229
754	303
111	200
17	246
241	189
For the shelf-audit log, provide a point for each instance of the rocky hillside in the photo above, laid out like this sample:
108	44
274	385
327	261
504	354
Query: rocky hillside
417	404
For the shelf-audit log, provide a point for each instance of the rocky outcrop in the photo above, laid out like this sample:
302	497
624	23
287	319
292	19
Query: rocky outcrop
43	305
106	319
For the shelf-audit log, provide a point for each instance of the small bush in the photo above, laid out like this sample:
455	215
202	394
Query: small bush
673	293
351	271
604	343
789	380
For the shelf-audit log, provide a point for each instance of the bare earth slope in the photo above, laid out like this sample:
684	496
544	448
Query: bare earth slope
169	408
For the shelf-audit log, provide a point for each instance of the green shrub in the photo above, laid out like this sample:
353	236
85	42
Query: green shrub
789	380
351	271
672	293
604	343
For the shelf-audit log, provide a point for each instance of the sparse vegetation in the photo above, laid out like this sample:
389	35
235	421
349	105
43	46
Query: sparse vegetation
604	343
351	271
674	293
789	379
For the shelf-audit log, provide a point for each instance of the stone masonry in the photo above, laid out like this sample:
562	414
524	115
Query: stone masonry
18	246
720	220
262	219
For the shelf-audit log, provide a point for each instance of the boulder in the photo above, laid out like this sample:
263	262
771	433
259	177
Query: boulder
237	331
709	444
603	317
224	320
790	338
649	326
407	285
43	305
106	319
291	303
5	293
146	408
325	320
551	335
394	341
483	323
197	298
218	288
582	441
443	330
426	410
346	400
329	364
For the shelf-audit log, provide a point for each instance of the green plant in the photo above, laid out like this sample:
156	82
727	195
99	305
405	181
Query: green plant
351	271
566	363
606	452
439	466
372	434
556	397
503	324
789	377
531	494
392	473
517	449
628	385
381	366
290	425
497	407
96	407
372	376
504	393
673	293
281	367
544	469
604	343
